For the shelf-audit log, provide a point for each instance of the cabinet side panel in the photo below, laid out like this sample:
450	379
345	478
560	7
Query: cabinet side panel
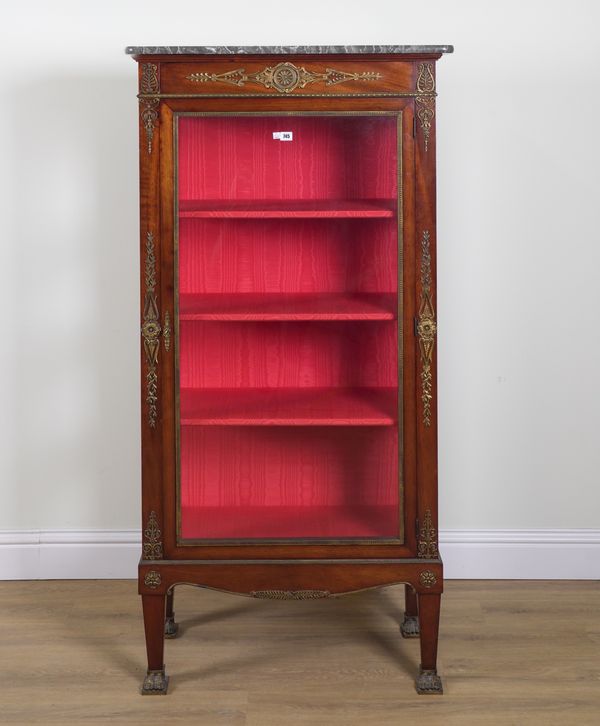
151	318
425	272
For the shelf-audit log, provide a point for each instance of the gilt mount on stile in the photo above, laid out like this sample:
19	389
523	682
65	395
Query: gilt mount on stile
288	329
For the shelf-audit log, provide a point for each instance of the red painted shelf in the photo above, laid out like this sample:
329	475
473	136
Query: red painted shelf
294	208
288	406
284	522
287	306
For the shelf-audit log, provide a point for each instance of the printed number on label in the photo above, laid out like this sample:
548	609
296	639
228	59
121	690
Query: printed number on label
283	135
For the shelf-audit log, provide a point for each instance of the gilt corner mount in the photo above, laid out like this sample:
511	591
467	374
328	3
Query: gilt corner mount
149	85
425	100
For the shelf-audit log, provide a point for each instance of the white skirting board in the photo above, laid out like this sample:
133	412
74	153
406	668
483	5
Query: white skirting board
511	554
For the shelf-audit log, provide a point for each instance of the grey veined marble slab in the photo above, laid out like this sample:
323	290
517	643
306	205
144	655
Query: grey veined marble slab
282	49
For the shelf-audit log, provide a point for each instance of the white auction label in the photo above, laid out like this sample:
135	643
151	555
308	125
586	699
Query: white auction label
283	135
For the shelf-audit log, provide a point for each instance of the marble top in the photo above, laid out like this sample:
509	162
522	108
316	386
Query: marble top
282	49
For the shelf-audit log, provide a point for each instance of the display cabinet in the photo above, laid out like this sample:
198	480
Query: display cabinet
288	321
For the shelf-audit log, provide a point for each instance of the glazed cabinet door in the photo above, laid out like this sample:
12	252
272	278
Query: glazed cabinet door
286	357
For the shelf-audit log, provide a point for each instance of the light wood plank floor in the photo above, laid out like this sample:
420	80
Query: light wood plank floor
522	653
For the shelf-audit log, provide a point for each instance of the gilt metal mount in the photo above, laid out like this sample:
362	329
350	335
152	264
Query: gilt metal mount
290	594
284	77
427	578
425	100
429	683
155	683
151	331
427	547
149	85
152	546
152	579
426	328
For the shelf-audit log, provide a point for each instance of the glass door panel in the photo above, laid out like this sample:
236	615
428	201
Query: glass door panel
288	327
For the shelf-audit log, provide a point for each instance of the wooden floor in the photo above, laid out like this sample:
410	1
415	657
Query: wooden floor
510	653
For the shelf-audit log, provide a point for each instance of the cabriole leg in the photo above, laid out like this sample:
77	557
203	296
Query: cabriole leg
428	681
410	624
171	627
156	681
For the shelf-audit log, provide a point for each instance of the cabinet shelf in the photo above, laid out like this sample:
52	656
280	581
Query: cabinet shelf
310	521
288	406
287	306
292	208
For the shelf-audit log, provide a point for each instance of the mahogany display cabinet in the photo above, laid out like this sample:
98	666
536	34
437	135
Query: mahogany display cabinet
288	329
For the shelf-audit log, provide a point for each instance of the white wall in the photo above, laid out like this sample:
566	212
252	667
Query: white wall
519	192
